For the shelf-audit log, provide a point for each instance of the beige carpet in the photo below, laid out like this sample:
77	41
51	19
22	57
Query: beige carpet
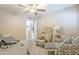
14	50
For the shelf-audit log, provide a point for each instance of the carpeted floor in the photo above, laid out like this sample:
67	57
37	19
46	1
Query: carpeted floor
14	50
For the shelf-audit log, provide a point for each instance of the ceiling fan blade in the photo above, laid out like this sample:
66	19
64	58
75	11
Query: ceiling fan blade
22	6
41	10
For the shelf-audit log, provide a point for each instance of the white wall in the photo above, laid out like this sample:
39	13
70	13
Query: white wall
12	25
68	18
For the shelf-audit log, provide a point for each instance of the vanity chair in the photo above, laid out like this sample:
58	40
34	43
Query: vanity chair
45	36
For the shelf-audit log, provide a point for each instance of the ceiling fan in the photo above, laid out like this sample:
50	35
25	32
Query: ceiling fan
32	8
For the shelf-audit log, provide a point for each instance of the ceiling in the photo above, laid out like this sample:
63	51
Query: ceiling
17	10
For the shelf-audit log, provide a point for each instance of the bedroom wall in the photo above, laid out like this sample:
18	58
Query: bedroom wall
9	24
67	18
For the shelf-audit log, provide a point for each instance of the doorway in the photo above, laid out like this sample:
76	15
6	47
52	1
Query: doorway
29	30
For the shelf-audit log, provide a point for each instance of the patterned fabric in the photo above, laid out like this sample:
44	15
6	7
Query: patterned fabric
68	50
